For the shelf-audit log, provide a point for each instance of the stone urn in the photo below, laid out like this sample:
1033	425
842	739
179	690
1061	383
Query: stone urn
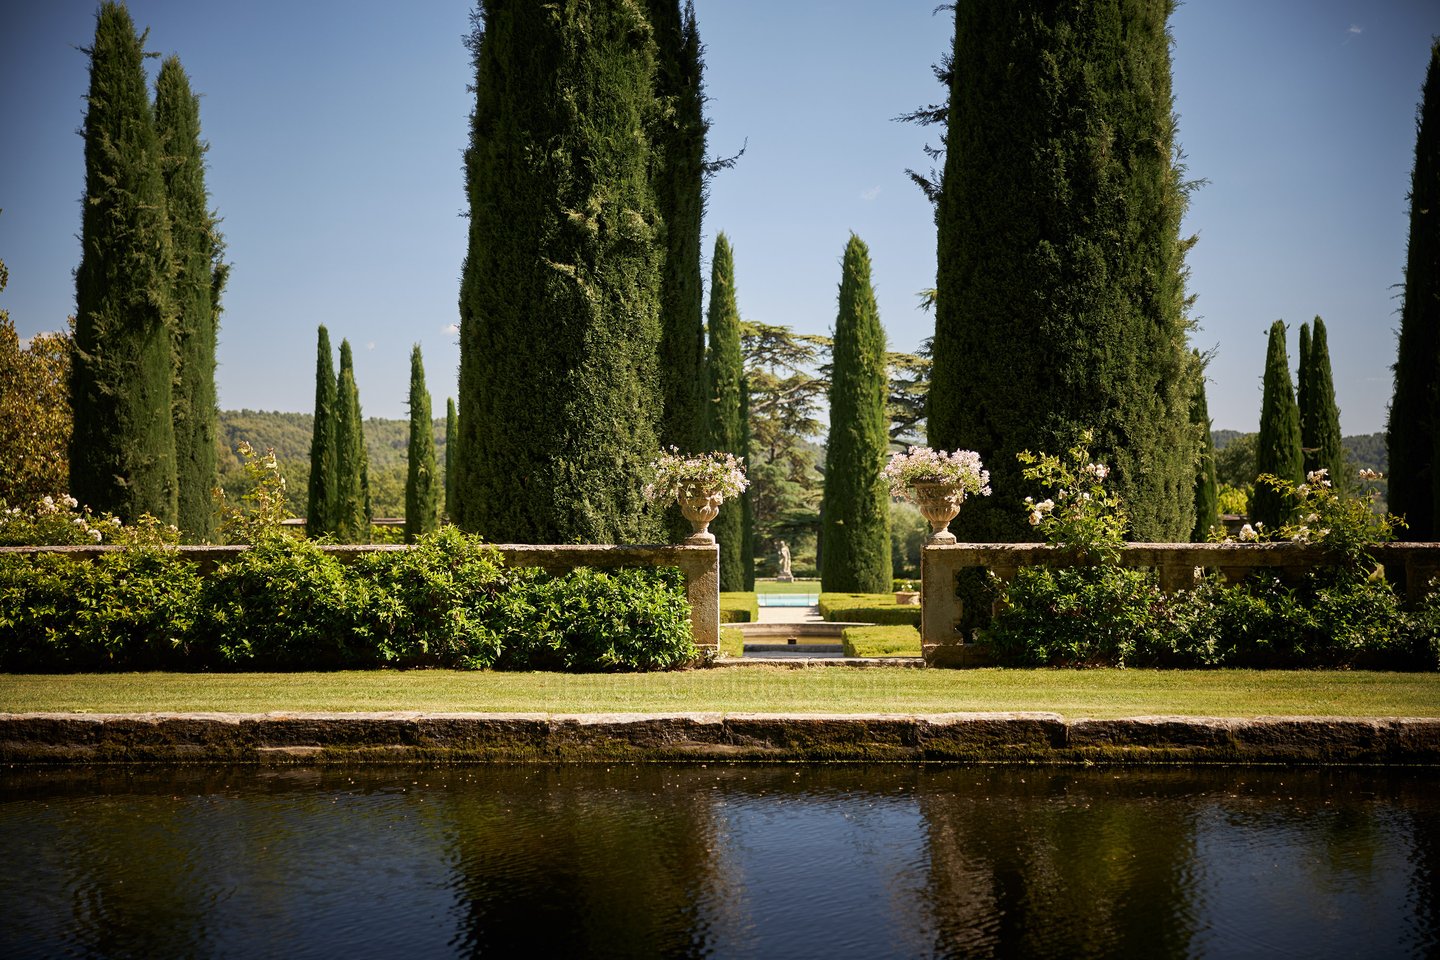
700	505
907	598
939	503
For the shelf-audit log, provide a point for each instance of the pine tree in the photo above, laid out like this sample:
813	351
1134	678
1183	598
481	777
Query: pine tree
452	437
560	395
679	175
122	450
725	374
856	513
200	276
1277	449
321	510
1410	433
1319	416
1060	285
352	463
422	497
1207	491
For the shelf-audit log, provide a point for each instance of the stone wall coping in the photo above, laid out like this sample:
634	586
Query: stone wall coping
984	737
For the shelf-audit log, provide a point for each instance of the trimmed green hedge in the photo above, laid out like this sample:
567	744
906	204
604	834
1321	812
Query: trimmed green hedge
877	608
739	607
893	641
286	605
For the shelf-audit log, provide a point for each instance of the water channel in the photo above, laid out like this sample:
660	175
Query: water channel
719	861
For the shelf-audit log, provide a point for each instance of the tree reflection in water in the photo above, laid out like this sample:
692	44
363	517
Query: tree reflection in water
694	860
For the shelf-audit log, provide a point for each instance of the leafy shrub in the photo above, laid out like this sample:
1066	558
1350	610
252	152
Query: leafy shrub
54	522
1077	616
439	604
591	620
284	605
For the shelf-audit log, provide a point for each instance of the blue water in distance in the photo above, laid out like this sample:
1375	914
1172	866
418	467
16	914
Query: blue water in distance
787	599
719	861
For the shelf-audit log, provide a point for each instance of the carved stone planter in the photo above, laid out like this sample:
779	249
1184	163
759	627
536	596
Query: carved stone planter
700	507
939	503
907	598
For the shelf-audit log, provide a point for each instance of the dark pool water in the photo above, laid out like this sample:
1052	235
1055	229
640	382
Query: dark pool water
681	861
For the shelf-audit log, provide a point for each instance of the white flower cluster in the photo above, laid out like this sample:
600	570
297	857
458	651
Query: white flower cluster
677	475
1097	470
54	521
1251	534
924	465
1039	511
1368	474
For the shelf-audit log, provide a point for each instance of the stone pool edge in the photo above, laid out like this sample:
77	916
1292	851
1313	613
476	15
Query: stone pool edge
339	738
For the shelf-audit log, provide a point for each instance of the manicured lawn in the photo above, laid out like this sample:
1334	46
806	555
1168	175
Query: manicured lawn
891	641
1072	693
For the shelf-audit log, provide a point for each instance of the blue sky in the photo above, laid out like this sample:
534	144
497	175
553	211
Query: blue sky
336	130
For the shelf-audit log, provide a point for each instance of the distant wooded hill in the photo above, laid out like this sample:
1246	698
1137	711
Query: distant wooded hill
288	434
1366	451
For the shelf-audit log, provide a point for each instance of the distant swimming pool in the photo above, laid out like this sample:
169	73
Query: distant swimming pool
788	599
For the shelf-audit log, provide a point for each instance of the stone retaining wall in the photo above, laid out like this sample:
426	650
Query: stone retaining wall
972	737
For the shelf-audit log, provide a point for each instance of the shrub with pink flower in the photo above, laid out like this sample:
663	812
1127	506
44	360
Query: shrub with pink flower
678	475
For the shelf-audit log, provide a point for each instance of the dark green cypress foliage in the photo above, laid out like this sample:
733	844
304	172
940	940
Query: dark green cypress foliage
422	479
122	450
856	515
559	306
1319	415
199	277
1277	449
725	375
352	463
1060	285
452	438
1303	399
1207	490
321	514
1410	432
679	173
747	515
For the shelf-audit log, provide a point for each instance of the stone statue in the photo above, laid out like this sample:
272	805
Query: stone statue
784	550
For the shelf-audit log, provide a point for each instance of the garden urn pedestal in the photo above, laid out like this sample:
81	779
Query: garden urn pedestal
939	503
700	507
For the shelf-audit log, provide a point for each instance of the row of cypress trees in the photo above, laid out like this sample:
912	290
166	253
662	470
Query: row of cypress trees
338	501
147	294
1299	426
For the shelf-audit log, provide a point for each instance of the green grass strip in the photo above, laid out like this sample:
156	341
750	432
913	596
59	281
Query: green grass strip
891	641
824	690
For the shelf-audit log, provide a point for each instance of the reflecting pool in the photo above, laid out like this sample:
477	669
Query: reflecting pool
719	861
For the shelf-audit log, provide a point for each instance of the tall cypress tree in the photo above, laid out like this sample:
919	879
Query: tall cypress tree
452	437
1319	416
679	175
199	277
1277	449
122	450
725	375
1410	433
560	397
1303	399
1060	286
1207	491
856	513
352	462
422	479
321	512
747	508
